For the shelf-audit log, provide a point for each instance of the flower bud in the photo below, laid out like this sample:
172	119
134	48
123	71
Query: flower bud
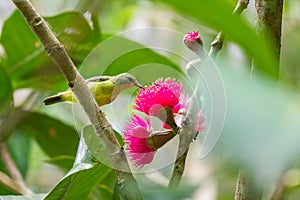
193	41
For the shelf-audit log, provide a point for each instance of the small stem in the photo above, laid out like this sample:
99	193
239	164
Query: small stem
240	6
241	191
11	184
178	170
13	171
279	191
245	188
217	43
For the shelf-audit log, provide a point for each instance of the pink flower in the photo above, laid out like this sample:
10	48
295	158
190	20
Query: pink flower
163	93
141	141
199	119
191	36
135	138
193	41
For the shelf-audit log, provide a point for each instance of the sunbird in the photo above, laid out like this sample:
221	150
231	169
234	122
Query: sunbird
105	89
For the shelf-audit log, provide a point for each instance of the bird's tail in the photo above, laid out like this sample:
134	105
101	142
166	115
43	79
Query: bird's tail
53	99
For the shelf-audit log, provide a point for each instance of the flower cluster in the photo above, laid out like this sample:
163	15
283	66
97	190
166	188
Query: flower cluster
163	95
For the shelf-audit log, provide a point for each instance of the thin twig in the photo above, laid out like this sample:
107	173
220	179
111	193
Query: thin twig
279	191
217	43
178	170
78	85
11	184
17	183
186	135
240	6
245	188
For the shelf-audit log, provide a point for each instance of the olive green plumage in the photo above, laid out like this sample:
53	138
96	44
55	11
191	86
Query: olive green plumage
104	88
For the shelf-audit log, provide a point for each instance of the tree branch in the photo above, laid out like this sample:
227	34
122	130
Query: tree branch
269	22
217	43
16	183
78	85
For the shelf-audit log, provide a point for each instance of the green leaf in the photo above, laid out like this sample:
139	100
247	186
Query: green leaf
104	189
64	162
17	48
26	60
261	128
74	31
120	138
6	93
218	15
101	192
95	146
79	182
119	54
54	137
19	147
83	177
25	56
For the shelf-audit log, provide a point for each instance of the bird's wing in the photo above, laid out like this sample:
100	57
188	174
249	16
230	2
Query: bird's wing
98	79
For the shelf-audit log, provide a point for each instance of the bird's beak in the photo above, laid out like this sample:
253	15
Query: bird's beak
139	85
